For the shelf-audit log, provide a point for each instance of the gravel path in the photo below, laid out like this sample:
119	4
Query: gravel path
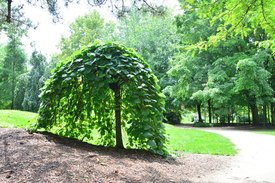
255	162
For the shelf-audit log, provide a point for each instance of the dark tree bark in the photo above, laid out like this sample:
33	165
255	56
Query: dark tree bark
228	118
272	108
9	11
209	111
199	111
117	92
255	115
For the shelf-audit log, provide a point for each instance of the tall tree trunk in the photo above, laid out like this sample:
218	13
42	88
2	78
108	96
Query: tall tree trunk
13	86
272	109
116	88
9	11
265	114
199	111
209	111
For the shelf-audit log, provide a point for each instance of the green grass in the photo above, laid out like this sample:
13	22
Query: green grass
198	141
16	119
268	131
180	139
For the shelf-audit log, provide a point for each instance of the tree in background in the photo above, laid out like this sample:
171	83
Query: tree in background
213	76
83	31
252	81
189	69
13	66
36	79
154	37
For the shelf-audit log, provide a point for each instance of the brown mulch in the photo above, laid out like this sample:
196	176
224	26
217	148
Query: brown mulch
43	158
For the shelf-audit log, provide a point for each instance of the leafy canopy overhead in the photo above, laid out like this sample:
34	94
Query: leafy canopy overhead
237	18
78	99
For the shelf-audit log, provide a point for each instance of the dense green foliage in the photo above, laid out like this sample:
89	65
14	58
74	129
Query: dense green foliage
12	65
79	97
224	78
145	32
140	30
35	80
237	18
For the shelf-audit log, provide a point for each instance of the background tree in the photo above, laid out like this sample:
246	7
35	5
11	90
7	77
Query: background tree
36	79
154	37
13	66
83	31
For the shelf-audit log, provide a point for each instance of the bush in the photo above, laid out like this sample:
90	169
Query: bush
201	124
172	117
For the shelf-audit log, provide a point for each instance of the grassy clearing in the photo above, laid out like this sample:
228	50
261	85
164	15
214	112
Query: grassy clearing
16	119
180	139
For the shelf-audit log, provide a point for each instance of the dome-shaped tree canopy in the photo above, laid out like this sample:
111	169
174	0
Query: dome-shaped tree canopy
105	87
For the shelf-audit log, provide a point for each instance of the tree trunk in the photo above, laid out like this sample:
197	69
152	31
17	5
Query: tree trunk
209	111
272	109
255	115
199	111
116	88
13	86
9	11
248	114
265	115
228	118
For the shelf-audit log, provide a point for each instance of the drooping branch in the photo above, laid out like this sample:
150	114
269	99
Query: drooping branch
264	16
244	14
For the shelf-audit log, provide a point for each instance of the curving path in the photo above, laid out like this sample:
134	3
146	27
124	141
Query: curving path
255	162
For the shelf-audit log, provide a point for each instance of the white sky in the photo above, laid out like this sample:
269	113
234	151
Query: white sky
45	38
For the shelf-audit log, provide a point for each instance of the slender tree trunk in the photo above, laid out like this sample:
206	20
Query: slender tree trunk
199	111
228	118
248	115
209	111
272	109
13	86
9	11
265	114
116	88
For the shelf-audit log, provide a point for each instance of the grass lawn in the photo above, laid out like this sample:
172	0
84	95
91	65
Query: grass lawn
198	141
180	139
16	119
268	131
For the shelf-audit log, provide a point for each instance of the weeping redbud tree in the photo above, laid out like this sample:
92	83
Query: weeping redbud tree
109	89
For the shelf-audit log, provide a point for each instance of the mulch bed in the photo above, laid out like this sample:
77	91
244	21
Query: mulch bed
43	158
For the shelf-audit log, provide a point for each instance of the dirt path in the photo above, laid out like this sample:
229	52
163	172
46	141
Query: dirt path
42	158
255	162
